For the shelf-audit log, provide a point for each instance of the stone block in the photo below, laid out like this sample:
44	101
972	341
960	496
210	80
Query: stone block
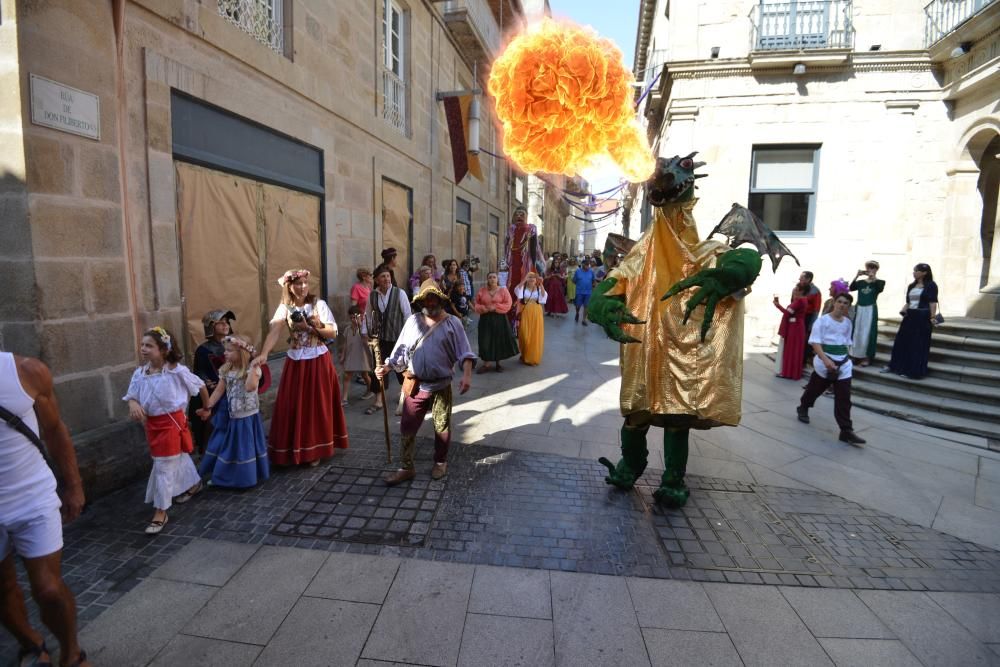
49	165
163	196
500	640
69	347
112	457
108	287
978	612
168	278
256	601
185	650
117	386
673	605
421	620
20	300
675	648
83	402
61	289
16	230
141	623
354	577
20	338
208	562
503	591
98	170
865	652
158	130
835	613
62	230
318	632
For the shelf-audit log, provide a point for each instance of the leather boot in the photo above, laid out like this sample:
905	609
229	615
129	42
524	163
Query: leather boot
401	475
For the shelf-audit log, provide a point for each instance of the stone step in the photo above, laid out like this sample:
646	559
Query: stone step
960	326
936	419
916	400
945	355
935	384
974	375
952	341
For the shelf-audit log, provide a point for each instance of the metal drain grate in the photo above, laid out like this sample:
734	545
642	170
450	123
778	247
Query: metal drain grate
354	505
737	531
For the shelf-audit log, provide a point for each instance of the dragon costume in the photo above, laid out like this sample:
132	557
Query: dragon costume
678	375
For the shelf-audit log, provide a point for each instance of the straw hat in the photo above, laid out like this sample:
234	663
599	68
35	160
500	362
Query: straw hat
428	288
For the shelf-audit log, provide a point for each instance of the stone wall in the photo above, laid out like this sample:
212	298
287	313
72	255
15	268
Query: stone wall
91	267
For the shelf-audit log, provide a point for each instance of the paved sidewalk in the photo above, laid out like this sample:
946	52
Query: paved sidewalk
874	556
222	603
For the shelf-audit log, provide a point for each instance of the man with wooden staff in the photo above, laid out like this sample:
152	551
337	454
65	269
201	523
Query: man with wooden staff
431	343
389	308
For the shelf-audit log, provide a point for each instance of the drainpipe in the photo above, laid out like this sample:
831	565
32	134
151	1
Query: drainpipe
118	12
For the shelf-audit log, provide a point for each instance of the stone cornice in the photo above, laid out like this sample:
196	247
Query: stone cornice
896	61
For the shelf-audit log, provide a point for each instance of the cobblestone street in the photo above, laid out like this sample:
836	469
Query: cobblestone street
512	524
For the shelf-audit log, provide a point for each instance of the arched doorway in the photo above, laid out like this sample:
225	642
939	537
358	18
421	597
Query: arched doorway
989	189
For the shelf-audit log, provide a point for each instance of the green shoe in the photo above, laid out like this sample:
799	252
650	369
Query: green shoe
673	497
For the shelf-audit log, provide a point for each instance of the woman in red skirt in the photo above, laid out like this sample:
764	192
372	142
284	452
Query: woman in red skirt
555	286
308	419
791	349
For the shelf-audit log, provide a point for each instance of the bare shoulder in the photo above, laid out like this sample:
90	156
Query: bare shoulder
34	375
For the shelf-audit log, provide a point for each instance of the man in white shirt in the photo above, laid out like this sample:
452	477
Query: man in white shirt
831	339
31	512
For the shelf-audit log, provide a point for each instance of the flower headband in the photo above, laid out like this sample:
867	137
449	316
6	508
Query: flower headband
292	275
242	344
164	336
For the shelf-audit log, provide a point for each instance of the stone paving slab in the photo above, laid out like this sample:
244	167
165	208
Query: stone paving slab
354	578
503	640
320	633
868	652
508	591
680	648
673	605
835	613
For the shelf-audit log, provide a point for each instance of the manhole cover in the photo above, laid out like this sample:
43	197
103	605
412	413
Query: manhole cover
355	505
722	530
856	541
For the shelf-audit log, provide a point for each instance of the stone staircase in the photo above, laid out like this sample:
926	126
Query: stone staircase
961	392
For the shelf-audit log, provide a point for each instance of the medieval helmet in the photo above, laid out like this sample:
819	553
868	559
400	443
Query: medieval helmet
214	316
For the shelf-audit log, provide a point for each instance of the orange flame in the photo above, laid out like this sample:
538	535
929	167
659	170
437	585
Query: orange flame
565	100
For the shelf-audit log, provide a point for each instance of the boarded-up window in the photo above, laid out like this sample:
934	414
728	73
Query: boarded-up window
397	226
494	250
237	237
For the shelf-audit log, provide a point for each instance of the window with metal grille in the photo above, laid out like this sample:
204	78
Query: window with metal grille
261	19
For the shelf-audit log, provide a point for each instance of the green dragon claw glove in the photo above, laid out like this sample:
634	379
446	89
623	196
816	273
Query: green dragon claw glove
610	312
735	270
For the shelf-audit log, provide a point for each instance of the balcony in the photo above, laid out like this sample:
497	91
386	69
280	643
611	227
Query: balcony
474	27
261	19
394	101
810	24
944	16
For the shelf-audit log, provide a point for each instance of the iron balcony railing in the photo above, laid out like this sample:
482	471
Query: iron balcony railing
261	19
810	24
943	16
394	101
481	17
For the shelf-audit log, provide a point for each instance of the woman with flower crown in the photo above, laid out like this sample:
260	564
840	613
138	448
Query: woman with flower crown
236	455
308	420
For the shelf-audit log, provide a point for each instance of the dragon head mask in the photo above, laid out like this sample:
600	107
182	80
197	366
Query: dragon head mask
673	180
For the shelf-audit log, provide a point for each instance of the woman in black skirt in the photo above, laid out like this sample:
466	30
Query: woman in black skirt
913	340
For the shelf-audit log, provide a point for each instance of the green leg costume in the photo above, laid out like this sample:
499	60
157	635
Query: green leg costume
672	491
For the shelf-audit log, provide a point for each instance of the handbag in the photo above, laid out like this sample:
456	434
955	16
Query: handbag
939	319
411	383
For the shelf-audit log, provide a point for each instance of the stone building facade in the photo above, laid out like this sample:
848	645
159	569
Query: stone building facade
233	137
856	129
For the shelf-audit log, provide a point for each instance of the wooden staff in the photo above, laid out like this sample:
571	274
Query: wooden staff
374	329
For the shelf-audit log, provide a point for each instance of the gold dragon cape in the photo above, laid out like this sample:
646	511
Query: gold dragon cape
672	378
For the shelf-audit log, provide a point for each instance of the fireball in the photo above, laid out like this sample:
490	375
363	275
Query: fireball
565	100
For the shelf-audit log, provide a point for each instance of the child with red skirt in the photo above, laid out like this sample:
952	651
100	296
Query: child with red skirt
308	420
158	396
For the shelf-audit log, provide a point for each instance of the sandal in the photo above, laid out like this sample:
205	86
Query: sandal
80	659
155	527
189	494
35	652
372	409
483	369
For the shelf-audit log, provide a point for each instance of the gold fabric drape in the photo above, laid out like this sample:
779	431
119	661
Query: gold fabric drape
237	237
461	238
396	227
672	374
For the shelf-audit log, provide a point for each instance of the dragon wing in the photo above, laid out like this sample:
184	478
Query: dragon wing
740	225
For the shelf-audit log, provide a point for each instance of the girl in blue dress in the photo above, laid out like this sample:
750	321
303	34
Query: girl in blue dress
236	454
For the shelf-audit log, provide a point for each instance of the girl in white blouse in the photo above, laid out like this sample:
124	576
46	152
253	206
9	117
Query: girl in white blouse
158	396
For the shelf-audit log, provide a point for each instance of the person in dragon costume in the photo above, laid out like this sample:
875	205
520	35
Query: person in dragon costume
677	376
